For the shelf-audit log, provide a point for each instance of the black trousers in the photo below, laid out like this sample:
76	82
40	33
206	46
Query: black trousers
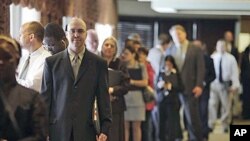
203	104
246	100
169	116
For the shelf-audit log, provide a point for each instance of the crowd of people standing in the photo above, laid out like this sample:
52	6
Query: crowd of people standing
72	76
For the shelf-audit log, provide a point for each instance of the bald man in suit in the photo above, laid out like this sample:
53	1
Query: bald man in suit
71	81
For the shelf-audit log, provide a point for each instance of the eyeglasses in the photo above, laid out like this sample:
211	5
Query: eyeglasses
24	34
73	31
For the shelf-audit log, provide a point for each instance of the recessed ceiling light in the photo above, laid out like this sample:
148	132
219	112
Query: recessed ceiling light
144	0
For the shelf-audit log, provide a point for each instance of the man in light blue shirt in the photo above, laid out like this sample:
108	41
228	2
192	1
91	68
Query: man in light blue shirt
224	86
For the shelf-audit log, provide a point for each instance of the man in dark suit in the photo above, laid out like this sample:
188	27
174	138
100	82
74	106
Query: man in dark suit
190	62
228	37
204	98
71	81
22	110
245	80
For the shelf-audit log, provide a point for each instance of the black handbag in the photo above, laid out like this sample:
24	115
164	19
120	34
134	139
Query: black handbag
148	94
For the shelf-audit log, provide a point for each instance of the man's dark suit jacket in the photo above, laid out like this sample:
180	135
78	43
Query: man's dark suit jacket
210	72
70	101
235	53
30	115
193	70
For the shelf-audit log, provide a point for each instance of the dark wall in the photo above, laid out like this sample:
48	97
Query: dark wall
208	30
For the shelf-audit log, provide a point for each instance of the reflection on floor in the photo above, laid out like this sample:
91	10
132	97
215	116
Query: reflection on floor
218	134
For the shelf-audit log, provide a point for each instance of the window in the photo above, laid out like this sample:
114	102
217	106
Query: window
19	16
145	30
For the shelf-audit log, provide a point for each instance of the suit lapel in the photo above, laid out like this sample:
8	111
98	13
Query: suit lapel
187	55
67	64
84	65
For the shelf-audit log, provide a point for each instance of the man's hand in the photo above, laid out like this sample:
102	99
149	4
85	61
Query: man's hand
197	91
111	90
168	86
232	90
101	137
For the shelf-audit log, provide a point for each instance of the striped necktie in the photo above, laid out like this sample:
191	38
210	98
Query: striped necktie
25	69
75	65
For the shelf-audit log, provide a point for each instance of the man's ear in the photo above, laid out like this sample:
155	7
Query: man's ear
64	44
32	36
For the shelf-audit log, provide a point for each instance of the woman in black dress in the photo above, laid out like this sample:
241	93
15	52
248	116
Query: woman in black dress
117	92
169	85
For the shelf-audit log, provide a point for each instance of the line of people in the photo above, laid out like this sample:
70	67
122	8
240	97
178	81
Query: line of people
70	73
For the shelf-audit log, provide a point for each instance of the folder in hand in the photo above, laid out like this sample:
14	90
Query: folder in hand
115	77
96	120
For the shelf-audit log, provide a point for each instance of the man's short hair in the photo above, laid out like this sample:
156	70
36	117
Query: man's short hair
177	27
37	29
164	39
54	30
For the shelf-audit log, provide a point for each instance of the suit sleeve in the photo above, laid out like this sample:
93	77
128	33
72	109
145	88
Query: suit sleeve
38	120
200	68
211	72
122	89
103	99
46	89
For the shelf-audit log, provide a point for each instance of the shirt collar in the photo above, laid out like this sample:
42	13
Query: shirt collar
185	44
72	54
37	52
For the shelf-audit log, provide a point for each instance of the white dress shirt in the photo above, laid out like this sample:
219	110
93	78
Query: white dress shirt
180	54
156	58
34	75
229	68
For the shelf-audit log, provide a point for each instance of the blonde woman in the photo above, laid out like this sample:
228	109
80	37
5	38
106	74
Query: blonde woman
117	92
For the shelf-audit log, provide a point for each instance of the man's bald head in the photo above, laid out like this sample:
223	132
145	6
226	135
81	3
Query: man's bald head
77	35
92	41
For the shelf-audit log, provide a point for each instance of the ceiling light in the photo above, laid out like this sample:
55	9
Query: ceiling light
144	0
200	5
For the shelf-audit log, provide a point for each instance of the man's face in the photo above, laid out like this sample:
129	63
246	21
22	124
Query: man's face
52	45
229	36
76	35
24	37
92	42
178	36
136	46
221	46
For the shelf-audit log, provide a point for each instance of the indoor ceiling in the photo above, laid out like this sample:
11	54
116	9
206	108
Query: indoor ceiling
219	9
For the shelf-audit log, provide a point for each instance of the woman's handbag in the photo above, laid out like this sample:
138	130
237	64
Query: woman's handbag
148	94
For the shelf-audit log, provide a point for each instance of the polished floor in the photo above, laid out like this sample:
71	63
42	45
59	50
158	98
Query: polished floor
218	134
